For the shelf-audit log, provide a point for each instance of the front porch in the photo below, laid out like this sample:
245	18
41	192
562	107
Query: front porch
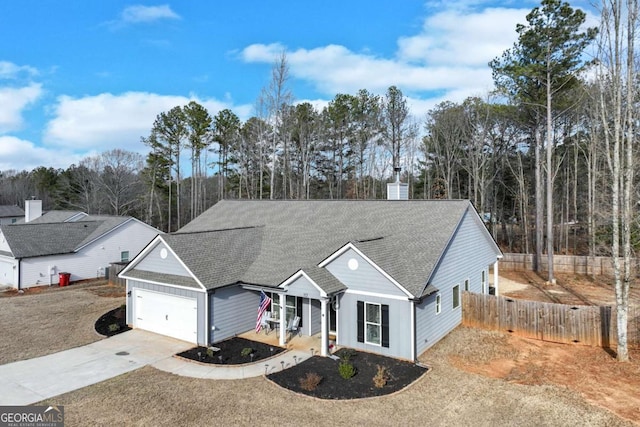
311	344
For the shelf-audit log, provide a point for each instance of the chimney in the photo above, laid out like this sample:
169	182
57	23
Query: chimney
32	210
397	190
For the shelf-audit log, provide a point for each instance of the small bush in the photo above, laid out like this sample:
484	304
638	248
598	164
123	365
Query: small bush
346	370
310	382
114	327
210	352
246	351
381	377
347	354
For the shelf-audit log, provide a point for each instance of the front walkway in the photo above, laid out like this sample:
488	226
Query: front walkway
299	348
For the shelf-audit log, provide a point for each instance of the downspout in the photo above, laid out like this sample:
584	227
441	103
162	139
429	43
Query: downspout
19	274
414	356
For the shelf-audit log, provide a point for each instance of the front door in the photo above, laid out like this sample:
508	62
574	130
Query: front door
332	319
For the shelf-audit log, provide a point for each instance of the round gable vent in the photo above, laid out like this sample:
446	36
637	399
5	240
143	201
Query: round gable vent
163	253
352	264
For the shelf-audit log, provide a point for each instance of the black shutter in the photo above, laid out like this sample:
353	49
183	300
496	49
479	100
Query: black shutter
385	325
299	310
360	321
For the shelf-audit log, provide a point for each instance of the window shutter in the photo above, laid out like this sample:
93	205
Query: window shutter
299	310
360	321
385	325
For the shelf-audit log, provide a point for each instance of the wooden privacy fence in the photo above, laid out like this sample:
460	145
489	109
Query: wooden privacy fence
585	325
576	264
114	269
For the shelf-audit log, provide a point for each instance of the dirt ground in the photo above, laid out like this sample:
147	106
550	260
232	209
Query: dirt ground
593	372
50	319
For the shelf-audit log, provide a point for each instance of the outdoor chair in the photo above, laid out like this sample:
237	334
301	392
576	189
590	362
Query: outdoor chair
294	326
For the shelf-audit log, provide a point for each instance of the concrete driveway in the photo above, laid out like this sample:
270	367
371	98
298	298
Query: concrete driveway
30	381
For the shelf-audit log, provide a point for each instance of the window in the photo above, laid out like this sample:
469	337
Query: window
124	256
373	323
13	220
293	307
456	296
484	282
438	304
466	285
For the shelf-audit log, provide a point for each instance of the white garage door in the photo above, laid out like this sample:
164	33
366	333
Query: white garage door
7	273
166	314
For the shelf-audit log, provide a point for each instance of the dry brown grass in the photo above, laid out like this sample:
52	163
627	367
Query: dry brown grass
445	396
52	319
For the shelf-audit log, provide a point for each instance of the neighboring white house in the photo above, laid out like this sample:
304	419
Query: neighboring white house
10	214
35	250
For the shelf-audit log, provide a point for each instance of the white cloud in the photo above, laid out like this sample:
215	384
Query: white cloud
141	14
13	101
9	70
19	154
461	38
448	57
107	121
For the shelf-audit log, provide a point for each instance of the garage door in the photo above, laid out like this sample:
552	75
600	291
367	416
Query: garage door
7	273
166	314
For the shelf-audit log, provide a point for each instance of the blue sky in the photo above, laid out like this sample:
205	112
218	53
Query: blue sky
79	77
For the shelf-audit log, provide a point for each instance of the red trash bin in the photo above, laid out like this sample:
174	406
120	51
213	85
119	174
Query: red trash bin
64	278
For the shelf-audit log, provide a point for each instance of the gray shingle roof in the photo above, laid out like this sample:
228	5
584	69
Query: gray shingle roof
52	217
40	239
8	211
405	238
218	258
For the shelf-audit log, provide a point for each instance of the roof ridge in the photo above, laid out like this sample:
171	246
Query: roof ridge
248	227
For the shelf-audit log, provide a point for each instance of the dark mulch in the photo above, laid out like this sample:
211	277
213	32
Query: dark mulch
231	352
112	323
333	386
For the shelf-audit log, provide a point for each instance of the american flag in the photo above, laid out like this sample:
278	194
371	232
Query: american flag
264	304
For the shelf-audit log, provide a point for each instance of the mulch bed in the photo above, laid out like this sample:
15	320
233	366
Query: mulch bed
332	386
113	322
233	351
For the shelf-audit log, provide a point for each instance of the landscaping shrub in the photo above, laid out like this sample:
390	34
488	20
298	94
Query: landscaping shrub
346	370
246	351
381	377
114	327
310	381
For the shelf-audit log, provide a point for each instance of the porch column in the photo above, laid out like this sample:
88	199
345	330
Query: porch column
283	324
495	276
324	335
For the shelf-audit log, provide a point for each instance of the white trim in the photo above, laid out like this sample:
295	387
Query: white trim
296	276
375	294
324	327
161	283
152	245
207	326
413	330
350	245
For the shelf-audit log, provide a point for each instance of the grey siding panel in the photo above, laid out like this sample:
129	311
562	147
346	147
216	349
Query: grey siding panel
199	296
399	325
303	288
233	310
364	278
469	253
154	262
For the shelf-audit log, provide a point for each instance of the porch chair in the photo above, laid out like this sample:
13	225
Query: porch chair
294	326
